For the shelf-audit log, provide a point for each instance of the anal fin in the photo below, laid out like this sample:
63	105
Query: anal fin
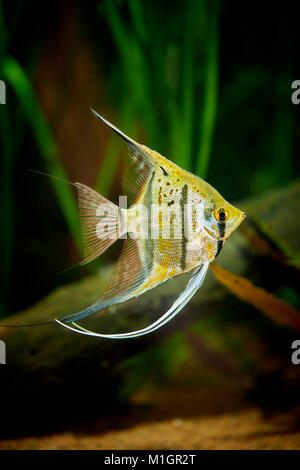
130	271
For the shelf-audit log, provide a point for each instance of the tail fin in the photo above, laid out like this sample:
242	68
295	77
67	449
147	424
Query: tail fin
100	221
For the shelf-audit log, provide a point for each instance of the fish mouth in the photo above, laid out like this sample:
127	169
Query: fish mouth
241	219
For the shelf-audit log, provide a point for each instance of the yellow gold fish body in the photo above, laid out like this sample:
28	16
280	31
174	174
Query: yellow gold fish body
175	223
171	189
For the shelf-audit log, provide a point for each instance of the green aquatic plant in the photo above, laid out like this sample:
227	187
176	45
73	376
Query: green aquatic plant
28	110
158	97
163	72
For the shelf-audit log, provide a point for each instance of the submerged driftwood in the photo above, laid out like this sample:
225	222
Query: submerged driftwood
53	373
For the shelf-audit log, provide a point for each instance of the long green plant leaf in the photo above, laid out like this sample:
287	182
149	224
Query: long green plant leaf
20	83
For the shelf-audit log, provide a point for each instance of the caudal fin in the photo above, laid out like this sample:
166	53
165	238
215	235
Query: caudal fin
99	220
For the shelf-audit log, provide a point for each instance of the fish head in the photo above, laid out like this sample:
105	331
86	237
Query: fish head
220	217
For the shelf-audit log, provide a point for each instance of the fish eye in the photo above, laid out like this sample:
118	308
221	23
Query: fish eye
221	214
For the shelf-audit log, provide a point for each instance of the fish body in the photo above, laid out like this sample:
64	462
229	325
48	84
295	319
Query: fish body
175	223
183	231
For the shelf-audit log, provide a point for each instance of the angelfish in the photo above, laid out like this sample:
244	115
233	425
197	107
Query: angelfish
175	223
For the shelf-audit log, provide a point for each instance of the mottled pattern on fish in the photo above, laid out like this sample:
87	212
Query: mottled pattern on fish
171	190
176	222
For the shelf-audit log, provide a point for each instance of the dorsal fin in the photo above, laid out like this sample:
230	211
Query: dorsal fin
140	165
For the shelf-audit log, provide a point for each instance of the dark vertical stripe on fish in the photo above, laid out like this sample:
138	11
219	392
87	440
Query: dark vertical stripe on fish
219	247
221	228
183	201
